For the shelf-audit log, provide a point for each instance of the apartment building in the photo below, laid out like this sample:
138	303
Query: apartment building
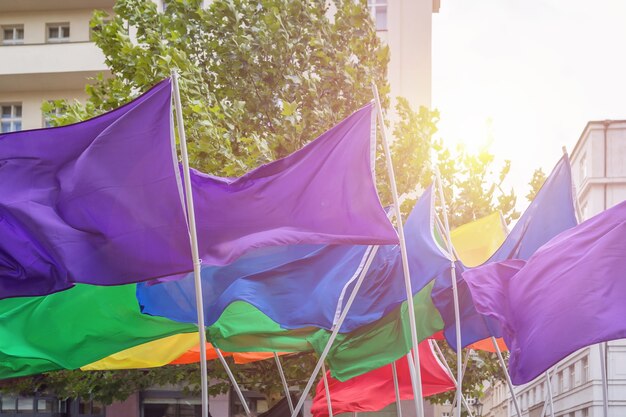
45	54
406	26
599	174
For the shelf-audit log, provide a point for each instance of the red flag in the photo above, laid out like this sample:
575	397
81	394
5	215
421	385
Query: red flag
374	390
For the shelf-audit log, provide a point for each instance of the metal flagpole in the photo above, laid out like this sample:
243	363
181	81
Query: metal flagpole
284	381
396	388
327	389
508	377
412	373
455	293
405	261
445	363
244	404
549	392
191	218
334	333
465	362
605	381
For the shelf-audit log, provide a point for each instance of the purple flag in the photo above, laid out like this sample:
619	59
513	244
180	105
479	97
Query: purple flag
324	193
96	202
568	295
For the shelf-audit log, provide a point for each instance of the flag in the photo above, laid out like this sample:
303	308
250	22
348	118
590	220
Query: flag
551	212
568	295
477	241
96	202
73	328
299	286
375	390
323	193
178	349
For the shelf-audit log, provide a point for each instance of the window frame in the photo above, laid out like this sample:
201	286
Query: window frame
59	26
374	7
13	119
14	40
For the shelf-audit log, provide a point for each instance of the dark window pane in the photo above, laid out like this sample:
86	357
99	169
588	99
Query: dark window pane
20	33
53	32
65	31
18	111
17	126
8	34
159	410
83	407
6	112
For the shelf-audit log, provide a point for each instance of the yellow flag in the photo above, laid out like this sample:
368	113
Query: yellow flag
475	242
148	355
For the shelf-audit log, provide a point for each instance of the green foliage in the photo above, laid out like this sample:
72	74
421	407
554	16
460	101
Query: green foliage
258	78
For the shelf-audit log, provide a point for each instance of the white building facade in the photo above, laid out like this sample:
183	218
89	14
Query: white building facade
598	163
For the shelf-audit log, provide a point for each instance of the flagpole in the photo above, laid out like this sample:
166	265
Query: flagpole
412	372
550	399
465	363
327	389
508	377
396	388
284	381
405	261
191	218
605	381
455	293
334	333
233	381
445	363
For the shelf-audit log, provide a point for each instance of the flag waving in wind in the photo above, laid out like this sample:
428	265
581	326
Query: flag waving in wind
96	202
323	193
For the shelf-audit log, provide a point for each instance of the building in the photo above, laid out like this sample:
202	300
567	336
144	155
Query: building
598	163
46	54
406	26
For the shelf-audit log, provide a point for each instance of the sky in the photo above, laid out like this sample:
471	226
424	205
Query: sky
525	77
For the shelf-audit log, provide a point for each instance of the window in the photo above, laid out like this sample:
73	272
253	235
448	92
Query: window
572	376
445	414
378	8
584	412
25	405
561	382
12	35
89	408
10	118
172	407
58	32
8	404
584	370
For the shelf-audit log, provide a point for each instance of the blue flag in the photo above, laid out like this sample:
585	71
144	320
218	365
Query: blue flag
551	212
299	286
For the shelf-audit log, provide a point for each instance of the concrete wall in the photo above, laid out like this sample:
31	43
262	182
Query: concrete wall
128	408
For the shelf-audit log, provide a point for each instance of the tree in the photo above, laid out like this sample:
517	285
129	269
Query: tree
259	79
